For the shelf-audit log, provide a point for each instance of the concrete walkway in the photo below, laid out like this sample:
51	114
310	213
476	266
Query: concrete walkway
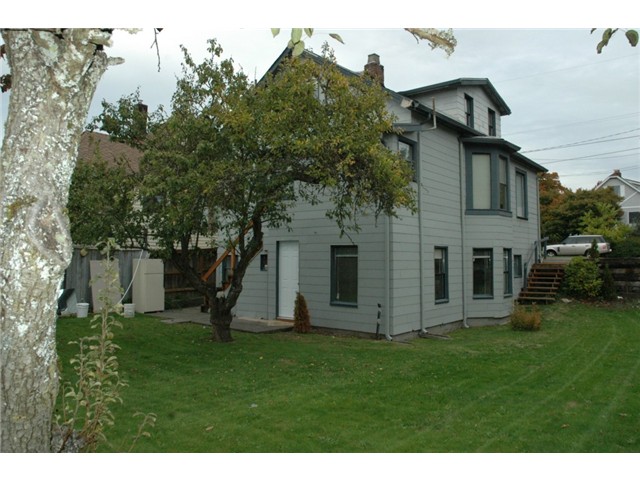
240	324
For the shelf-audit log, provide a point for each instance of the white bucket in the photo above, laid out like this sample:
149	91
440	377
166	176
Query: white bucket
129	310
83	310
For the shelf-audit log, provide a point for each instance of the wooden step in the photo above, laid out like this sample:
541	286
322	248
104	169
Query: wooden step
542	284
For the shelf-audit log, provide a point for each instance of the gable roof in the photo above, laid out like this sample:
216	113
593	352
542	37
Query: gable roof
483	83
634	184
98	146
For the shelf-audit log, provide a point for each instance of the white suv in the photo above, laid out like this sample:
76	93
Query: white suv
578	245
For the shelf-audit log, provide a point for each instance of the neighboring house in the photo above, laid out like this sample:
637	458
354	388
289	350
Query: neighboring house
98	146
629	190
461	260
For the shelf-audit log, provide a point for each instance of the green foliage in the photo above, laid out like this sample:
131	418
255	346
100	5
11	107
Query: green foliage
443	39
101	204
87	403
593	253
604	219
301	318
628	247
632	37
526	318
563	212
582	278
128	120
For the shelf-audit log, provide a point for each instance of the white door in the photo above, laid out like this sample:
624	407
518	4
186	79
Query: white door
287	278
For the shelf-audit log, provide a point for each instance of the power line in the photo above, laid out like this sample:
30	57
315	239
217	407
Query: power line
605	157
597	173
590	141
563	69
586	156
553	127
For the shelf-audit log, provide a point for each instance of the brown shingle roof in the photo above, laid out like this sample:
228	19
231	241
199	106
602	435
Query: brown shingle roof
94	146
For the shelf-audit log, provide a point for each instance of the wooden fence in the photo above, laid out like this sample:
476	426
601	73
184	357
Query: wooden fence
625	273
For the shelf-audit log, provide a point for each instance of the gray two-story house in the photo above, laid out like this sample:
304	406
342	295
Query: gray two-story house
460	260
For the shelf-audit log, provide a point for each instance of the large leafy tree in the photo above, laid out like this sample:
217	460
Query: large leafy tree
233	157
574	212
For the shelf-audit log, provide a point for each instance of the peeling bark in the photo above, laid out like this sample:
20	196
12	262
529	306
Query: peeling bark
54	77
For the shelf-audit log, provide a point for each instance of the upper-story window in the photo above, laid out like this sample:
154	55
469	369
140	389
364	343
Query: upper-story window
503	187
488	186
492	123
521	195
468	107
407	150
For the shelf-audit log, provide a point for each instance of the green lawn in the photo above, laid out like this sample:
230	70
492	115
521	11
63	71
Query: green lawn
574	386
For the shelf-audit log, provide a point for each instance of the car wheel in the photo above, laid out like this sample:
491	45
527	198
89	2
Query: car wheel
551	253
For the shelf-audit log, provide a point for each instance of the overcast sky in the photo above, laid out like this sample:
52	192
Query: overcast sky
559	90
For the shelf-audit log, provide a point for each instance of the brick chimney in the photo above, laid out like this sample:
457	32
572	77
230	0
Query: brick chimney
616	173
374	69
144	110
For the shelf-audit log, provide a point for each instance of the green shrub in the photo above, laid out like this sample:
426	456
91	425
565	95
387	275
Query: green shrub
582	279
629	247
524	318
301	318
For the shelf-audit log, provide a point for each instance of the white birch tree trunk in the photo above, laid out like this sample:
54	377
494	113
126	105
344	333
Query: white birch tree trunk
54	77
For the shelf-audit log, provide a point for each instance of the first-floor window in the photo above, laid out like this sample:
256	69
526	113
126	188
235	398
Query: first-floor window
634	217
440	273
483	273
517	266
506	271
344	275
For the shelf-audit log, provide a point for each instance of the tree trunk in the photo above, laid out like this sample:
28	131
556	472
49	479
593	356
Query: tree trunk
221	317
54	76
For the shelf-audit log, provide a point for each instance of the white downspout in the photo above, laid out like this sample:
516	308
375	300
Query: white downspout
421	255
387	277
462	231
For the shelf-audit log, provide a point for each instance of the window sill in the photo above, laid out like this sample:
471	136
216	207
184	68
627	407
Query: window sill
501	213
343	304
441	301
483	297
